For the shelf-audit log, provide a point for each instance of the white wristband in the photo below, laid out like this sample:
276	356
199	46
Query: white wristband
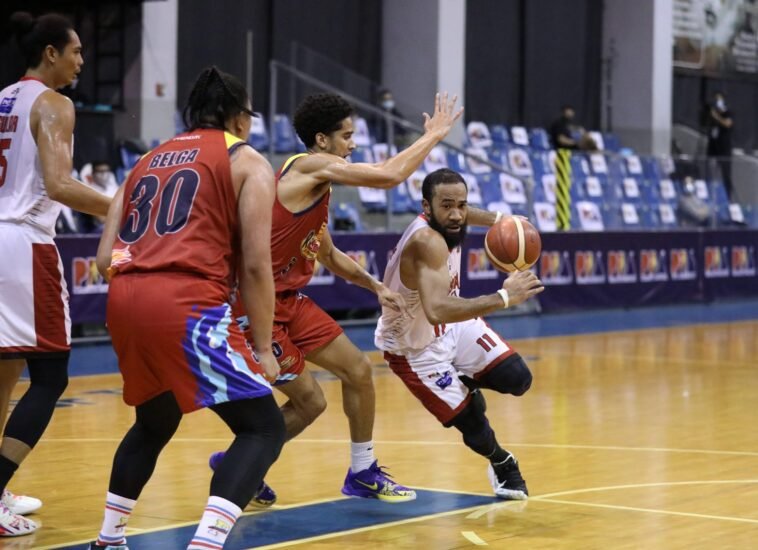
504	295
498	217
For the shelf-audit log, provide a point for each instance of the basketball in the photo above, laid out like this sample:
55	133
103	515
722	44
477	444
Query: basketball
512	244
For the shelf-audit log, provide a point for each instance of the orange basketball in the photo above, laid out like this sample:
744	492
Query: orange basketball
512	244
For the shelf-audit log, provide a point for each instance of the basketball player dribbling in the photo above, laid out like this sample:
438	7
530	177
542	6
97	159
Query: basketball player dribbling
36	134
443	351
302	330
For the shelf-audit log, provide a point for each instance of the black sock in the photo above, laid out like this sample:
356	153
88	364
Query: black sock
7	469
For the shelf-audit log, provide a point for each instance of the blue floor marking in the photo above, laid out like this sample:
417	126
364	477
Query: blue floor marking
100	359
312	520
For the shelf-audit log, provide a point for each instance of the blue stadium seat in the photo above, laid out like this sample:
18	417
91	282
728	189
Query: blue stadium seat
612	142
401	200
283	135
499	155
456	161
541	164
630	215
519	162
499	135
520	136
489	187
611	216
362	154
258	136
128	158
345	217
667	215
651	168
598	164
579	165
361	134
649	217
616	166
539	139
478	135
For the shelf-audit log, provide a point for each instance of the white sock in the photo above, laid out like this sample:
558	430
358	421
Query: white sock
361	455
219	517
117	512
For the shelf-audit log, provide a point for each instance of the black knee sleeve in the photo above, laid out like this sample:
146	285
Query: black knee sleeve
260	433
475	428
48	380
136	456
511	376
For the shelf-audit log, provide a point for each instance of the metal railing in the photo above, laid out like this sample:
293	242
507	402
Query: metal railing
277	67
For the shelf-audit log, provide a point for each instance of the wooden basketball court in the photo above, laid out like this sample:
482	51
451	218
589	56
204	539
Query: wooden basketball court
640	439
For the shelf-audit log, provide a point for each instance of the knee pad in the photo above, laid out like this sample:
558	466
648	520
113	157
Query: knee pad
510	376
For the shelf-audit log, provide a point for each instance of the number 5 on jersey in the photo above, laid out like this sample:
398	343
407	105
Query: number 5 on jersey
174	205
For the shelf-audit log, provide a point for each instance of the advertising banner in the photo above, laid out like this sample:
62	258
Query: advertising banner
579	270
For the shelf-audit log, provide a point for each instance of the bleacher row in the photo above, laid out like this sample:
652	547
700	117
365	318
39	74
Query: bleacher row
609	190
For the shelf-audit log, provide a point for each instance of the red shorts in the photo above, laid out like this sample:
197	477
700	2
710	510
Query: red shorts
175	332
300	326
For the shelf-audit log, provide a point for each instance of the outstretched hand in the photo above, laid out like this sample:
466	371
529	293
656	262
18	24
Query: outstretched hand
521	286
442	119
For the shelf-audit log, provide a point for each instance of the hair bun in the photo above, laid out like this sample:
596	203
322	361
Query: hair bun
22	22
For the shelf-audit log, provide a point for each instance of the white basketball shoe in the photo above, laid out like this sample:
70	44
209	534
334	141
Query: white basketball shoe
13	525
20	504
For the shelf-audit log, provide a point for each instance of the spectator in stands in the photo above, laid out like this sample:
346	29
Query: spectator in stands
386	101
100	177
719	126
693	211
566	134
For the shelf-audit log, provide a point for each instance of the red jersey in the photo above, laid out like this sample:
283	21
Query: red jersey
180	210
296	238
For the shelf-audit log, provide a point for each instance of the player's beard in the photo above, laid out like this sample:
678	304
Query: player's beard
452	239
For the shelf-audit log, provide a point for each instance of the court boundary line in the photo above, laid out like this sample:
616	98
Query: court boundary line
474	511
310	441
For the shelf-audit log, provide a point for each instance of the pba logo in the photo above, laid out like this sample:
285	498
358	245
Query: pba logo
621	267
555	268
653	266
682	264
479	267
321	275
367	260
716	262
743	261
85	277
588	266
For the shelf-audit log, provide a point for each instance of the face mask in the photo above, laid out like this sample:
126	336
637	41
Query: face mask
101	178
721	105
388	104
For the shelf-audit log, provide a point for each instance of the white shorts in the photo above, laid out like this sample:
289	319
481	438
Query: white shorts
34	314
468	348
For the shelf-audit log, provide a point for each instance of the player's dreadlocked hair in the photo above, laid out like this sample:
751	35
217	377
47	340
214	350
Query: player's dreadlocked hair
214	99
320	113
33	35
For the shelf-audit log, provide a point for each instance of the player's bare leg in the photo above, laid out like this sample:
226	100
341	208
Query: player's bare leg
365	478
306	403
343	359
10	370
